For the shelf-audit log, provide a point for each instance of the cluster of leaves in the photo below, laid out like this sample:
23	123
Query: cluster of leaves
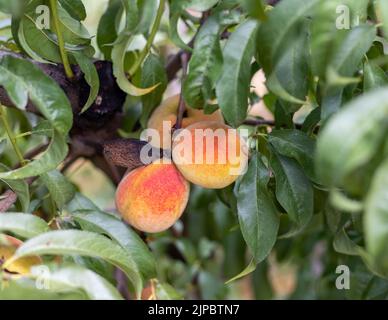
316	180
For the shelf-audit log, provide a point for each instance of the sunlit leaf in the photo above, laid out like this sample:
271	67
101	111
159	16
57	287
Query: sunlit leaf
83	243
352	137
22	224
233	87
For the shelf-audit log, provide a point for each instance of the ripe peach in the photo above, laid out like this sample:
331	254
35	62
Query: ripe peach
210	154
168	111
19	266
152	198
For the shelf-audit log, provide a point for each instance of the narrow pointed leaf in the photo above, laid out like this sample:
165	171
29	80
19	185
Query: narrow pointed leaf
22	224
259	219
69	242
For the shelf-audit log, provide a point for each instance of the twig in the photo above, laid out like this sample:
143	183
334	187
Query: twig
7	200
175	63
263	122
122	283
259	122
61	41
182	106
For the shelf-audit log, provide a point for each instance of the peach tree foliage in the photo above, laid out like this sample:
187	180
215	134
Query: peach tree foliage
316	188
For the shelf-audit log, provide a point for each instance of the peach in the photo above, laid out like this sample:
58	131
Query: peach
210	154
20	266
168	111
152	198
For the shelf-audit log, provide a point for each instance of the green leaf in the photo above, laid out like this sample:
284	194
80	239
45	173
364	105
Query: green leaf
273	35
331	101
166	292
259	219
72	30
43	44
249	269
49	160
382	9
117	230
211	287
22	80
107	27
289	79
37	43
323	35
205	65
312	120
81	203
345	60
91	77
328	37
8	6
343	244
255	8
120	49
343	203
199	5
132	14
374	76
76	278
153	73
69	242
61	190
24	45
354	46
352	137
234	253
188	250
20	187
297	145
376	217
233	87
275	86
147	9
176	10
293	189
75	8
22	224
118	56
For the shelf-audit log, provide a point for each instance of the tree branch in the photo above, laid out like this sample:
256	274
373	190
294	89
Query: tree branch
7	200
259	122
182	106
107	105
175	63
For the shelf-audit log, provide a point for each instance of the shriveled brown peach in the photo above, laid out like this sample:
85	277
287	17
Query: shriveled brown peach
152	198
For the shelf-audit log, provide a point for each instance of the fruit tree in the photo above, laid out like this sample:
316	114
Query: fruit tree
192	149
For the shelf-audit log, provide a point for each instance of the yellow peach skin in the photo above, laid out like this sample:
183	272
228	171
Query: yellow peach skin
168	111
20	266
214	163
152	198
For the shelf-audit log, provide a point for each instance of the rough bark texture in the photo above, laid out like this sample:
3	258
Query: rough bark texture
99	124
